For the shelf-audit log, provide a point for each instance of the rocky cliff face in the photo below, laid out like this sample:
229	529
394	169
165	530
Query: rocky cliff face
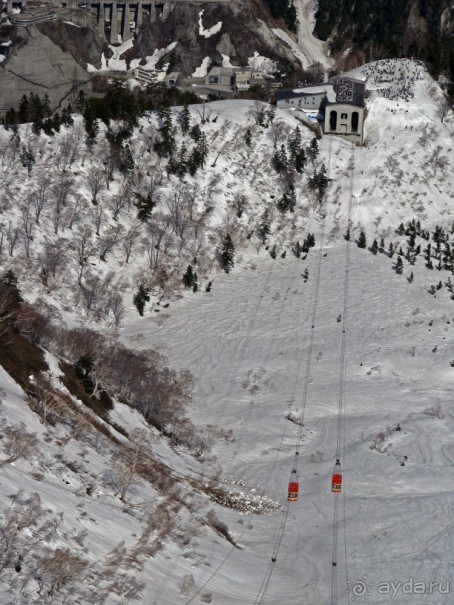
366	30
36	64
81	42
45	58
246	28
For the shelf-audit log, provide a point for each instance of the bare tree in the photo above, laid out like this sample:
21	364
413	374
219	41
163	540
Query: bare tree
12	237
437	161
239	203
58	570
95	182
45	400
84	248
52	258
2	237
27	227
115	306
118	203
191	195
97	214
18	443
124	472
70	146
129	240
157	238
61	190
109	156
40	195
74	211
179	220
109	240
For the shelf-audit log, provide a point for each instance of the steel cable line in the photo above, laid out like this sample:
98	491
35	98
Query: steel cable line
341	440
264	587
278	541
262	491
280	534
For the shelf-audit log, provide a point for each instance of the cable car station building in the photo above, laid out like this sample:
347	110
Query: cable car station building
345	116
337	104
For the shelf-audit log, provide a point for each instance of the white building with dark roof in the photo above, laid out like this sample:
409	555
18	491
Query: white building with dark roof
308	98
339	105
345	116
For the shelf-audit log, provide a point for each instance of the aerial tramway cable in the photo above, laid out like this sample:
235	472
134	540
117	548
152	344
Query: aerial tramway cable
263	490
280	534
340	441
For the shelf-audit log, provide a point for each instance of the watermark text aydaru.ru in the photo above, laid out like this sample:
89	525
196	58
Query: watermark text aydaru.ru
361	589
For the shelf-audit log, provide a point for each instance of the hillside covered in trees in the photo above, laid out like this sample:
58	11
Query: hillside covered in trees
395	28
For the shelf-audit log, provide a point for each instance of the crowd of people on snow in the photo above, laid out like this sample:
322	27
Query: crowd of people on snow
401	76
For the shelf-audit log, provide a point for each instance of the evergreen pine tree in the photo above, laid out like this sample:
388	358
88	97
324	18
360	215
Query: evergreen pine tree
374	247
144	205
381	247
84	367
227	254
288	200
362	243
10	284
314	150
202	146
391	250
271	113
248	138
140	298
264	227
91	124
306	274
347	235
319	181
22	114
273	251
188	277
195	132
185	119
280	160
295	142
299	161
208	288
297	250
410	278
399	265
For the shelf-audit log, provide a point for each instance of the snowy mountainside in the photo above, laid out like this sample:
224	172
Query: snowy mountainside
246	342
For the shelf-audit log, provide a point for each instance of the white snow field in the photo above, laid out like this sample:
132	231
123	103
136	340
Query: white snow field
247	346
274	356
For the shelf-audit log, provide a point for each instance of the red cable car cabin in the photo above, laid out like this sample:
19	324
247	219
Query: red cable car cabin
336	483
293	489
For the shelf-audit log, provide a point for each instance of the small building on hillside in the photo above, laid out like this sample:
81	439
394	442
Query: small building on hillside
345	116
338	105
147	77
220	76
306	98
172	78
245	78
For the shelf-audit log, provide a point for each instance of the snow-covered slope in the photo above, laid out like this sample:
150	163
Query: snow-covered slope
266	348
